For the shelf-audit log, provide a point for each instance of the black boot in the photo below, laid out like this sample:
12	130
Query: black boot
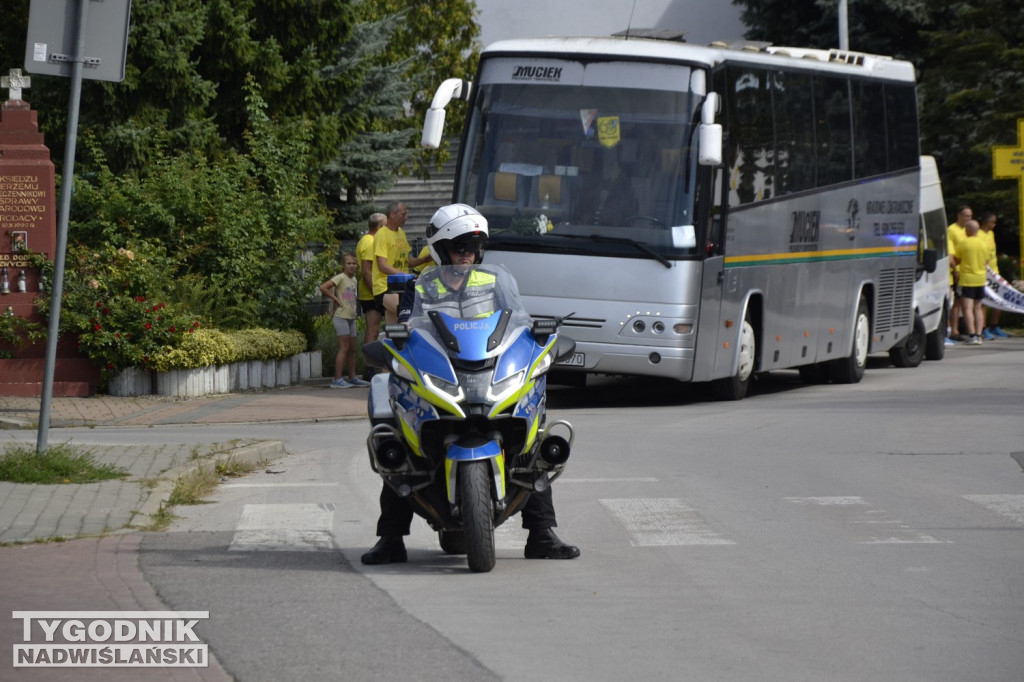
390	549
544	544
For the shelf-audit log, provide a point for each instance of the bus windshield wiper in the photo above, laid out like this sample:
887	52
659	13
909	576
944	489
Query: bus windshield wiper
640	246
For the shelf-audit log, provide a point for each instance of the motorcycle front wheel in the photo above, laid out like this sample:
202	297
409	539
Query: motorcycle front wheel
477	517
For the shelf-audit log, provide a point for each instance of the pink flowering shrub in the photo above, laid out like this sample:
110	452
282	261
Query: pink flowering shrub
114	302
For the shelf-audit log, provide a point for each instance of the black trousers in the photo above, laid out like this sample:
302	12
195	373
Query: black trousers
396	512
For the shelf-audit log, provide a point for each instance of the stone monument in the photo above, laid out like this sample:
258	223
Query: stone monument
28	224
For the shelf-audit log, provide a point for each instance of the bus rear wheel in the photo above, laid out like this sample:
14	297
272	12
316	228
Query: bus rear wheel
735	387
850	370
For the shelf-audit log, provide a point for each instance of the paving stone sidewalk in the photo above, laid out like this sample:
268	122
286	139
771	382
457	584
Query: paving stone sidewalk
99	571
37	512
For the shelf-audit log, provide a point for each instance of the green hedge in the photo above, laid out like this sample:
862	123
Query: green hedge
206	347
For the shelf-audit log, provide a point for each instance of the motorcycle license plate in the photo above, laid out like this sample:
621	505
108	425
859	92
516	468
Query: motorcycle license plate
574	360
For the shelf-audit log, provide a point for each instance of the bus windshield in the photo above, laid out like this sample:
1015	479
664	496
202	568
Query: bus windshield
594	158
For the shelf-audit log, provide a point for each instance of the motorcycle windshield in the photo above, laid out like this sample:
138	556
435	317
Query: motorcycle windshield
462	307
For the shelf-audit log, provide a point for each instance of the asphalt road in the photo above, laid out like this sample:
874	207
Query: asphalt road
865	532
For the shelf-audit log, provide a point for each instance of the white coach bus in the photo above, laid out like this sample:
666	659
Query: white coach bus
698	213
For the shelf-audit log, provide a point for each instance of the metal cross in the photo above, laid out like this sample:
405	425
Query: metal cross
15	82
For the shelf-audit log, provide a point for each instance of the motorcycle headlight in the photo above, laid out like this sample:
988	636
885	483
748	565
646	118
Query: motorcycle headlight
497	391
453	391
401	371
543	366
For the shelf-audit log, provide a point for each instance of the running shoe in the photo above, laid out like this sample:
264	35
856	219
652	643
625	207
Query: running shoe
987	334
950	343
359	383
975	341
997	331
340	383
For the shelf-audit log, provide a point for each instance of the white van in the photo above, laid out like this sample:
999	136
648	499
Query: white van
931	308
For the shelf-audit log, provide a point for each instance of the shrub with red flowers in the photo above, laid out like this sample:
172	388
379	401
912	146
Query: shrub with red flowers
113	301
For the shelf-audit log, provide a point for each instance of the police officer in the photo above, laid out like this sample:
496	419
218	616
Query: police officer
456	236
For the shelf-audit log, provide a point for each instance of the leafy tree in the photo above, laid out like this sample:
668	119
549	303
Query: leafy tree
374	94
889	27
972	94
441	40
242	227
238	124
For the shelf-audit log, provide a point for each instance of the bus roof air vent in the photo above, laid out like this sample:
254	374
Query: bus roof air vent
741	45
670	34
855	58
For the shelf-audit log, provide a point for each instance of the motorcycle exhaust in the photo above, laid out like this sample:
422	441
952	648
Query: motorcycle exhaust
387	451
554	450
391	454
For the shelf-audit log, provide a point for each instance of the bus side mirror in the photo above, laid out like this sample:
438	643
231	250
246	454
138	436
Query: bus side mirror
433	121
709	139
929	260
433	128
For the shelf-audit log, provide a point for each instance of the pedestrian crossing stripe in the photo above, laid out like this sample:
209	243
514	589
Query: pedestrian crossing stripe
284	528
1010	506
649	522
878	528
662	522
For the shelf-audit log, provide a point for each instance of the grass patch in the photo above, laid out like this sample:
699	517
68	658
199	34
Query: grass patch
63	463
195	486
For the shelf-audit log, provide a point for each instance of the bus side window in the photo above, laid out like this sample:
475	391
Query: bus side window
751	142
796	168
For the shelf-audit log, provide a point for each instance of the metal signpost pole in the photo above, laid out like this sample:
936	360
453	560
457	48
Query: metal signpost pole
67	184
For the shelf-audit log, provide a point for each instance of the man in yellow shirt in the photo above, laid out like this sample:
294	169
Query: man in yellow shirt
368	306
392	256
971	257
988	224
954	233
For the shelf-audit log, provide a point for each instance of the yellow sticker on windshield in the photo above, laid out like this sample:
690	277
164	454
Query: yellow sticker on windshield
608	133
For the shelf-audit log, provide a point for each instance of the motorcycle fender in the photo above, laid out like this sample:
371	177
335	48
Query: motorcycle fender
457	453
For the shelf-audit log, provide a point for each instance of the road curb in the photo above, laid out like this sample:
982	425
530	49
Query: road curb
161	492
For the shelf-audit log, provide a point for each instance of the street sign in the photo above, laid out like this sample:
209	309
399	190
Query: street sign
50	48
1008	164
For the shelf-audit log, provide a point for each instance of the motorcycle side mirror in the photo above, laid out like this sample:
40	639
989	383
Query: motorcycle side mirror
564	347
375	354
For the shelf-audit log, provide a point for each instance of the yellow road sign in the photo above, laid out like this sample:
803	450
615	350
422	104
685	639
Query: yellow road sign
1008	164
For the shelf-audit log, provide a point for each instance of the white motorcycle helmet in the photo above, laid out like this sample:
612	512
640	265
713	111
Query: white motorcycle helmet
460	224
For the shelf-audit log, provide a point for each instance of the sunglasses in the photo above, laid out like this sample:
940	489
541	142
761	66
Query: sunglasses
464	248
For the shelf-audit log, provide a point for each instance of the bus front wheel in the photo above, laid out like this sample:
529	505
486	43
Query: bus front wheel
735	387
850	370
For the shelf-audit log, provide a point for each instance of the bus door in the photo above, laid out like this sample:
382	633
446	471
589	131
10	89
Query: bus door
713	287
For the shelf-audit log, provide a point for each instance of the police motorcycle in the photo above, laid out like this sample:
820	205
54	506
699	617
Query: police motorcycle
458	424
